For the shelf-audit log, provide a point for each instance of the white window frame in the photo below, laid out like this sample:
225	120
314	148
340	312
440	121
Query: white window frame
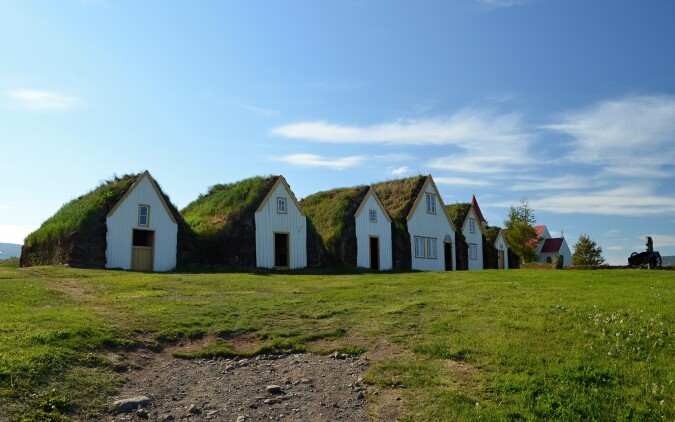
419	247
282	205
432	250
372	216
473	251
472	225
426	247
147	215
431	203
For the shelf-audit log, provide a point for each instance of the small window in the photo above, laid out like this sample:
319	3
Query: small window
472	225
548	260
473	251
144	215
431	248
419	247
281	205
372	216
431	203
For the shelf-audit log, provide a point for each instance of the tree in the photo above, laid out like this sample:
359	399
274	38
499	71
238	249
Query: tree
587	252
520	235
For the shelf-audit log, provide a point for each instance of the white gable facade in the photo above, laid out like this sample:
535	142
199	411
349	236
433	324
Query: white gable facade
472	230
502	251
432	235
142	233
373	234
280	230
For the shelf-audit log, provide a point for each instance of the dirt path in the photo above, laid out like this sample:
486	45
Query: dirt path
310	388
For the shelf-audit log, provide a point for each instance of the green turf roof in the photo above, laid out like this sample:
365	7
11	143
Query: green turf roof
332	213
398	196
84	210
225	204
458	213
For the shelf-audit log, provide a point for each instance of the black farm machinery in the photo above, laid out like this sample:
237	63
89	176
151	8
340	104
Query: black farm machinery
648	259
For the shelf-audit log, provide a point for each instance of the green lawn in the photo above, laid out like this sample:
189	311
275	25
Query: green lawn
525	344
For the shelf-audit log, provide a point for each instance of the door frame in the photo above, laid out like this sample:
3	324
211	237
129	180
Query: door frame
152	249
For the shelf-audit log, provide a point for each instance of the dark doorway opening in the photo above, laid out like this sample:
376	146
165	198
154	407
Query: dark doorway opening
375	253
281	251
142	249
448	256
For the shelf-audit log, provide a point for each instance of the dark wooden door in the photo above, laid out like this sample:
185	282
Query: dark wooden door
448	256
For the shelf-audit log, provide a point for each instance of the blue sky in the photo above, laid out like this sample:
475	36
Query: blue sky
570	104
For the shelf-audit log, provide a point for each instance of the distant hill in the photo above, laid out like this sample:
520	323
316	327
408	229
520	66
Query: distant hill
9	250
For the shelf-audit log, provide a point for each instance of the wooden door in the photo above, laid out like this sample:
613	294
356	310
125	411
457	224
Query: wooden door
501	260
141	258
375	253
142	250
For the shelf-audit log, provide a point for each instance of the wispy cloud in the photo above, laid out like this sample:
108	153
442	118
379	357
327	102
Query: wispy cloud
564	182
259	111
31	99
461	181
400	171
312	160
636	200
661	240
496	4
629	136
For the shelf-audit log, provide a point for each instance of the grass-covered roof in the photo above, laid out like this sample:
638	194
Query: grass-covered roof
84	210
398	196
332	214
221	208
458	213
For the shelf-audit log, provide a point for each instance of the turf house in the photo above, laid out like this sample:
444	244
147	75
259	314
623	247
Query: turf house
373	234
473	230
126	223
423	235
502	251
254	222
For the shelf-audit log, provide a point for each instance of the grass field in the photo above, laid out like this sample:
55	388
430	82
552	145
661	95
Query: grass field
511	345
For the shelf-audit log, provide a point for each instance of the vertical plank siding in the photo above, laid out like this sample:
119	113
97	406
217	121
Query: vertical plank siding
365	229
268	222
476	238
434	226
124	220
500	245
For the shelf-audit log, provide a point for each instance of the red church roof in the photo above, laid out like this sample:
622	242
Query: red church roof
479	214
552	245
539	230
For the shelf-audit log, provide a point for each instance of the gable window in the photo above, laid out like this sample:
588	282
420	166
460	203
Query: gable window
473	251
281	205
472	225
372	216
431	203
425	247
144	215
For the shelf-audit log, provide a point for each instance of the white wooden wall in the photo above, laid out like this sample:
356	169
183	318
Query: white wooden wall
268	222
476	238
365	229
431	225
500	245
125	218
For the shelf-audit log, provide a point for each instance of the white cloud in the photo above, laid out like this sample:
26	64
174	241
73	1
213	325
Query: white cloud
661	240
566	182
629	136
400	171
615	248
461	181
312	160
42	100
632	200
495	4
468	126
393	157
